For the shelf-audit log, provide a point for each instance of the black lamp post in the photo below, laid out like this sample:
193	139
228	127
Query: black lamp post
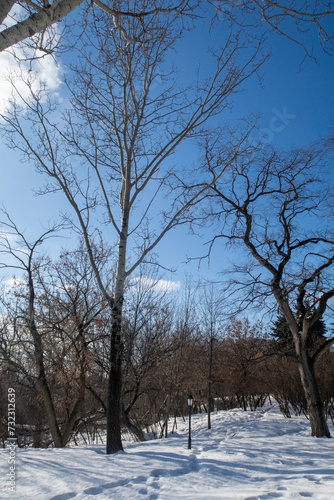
190	403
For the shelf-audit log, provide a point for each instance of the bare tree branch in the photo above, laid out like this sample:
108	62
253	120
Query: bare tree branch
47	15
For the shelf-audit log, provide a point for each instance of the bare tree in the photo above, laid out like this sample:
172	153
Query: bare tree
148	339
279	207
24	261
52	309
241	372
109	158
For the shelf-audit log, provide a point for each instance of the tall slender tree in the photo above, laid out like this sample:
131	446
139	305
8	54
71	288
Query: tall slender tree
110	155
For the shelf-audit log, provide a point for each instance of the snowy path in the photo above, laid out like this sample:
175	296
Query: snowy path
245	456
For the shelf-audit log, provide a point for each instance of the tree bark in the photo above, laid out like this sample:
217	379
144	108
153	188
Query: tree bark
36	23
115	392
306	363
133	427
114	404
5	7
316	411
50	411
67	430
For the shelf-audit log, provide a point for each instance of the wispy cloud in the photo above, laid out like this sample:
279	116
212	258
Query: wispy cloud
157	285
13	282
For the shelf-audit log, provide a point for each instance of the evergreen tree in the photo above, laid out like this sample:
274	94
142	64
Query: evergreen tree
283	341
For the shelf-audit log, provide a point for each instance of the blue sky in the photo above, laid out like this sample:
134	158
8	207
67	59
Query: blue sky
296	105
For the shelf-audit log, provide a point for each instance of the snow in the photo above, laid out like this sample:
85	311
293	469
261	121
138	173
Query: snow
245	456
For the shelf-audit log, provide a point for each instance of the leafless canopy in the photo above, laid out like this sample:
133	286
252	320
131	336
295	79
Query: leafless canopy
279	206
290	19
293	19
36	17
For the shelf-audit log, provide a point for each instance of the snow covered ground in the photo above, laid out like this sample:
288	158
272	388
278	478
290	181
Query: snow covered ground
245	456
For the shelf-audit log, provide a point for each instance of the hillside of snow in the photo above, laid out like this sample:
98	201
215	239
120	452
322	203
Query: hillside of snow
245	456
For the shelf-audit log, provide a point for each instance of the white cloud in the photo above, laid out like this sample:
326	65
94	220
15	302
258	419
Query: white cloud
157	285
13	283
20	69
6	236
12	241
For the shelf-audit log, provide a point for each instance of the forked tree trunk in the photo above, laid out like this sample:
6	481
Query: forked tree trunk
315	406
60	436
132	427
316	411
67	430
45	393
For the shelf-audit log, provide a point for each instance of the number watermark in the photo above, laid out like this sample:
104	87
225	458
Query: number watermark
11	442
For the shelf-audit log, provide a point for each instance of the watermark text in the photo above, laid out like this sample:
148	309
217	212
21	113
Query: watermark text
11	442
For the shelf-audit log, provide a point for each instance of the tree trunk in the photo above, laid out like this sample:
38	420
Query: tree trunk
115	393
36	22
67	430
315	406
114	404
50	412
319	427
209	404
132	427
5	7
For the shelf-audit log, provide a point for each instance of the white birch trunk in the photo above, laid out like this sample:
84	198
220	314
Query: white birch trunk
5	7
35	23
